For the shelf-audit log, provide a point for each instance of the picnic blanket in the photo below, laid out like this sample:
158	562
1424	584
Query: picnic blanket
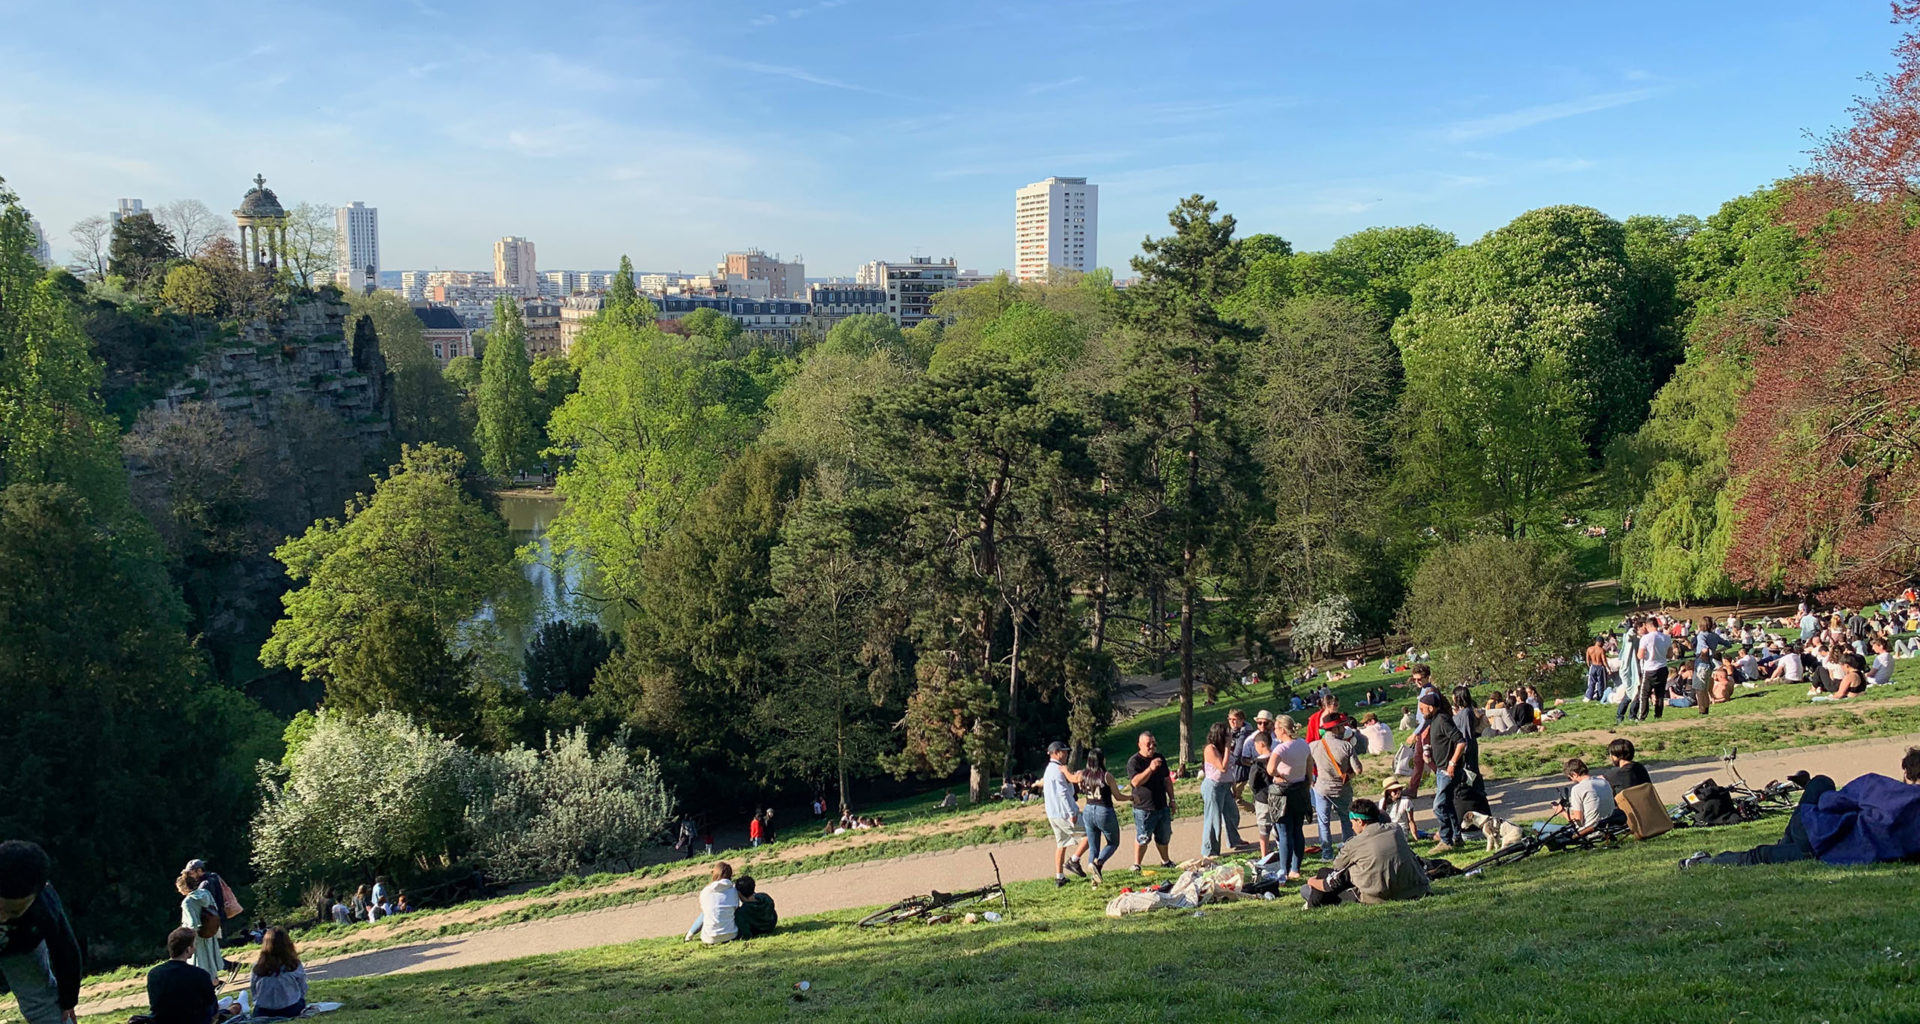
1201	883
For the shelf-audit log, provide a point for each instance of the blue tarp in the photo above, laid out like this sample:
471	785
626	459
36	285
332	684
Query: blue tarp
1873	818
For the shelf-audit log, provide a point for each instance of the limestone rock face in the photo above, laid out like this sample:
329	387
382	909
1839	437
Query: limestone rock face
302	353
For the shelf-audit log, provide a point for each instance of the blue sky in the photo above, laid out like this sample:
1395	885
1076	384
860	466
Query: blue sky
849	130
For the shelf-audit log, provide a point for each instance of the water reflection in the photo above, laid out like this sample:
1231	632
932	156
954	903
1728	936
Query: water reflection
554	593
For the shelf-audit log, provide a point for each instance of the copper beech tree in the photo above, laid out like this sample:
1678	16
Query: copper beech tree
1826	449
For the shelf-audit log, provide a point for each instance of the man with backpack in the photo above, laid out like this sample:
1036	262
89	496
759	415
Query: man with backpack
39	956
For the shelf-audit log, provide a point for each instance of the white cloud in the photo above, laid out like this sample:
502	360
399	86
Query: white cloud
1527	117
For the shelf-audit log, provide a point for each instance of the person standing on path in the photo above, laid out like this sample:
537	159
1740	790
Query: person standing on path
1153	801
196	909
1063	813
1291	779
1102	823
39	956
1216	792
1445	750
1334	766
1237	732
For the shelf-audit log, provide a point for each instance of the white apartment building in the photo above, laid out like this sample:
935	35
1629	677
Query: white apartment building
1055	224
357	246
42	252
557	284
127	208
911	286
413	285
513	266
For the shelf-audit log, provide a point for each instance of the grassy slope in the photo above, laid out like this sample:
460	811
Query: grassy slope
1614	934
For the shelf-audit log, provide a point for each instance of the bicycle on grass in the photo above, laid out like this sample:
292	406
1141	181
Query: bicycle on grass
922	906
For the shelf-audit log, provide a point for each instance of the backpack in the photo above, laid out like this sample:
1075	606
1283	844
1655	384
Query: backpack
1713	804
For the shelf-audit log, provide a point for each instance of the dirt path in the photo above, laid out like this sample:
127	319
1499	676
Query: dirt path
1684	718
865	884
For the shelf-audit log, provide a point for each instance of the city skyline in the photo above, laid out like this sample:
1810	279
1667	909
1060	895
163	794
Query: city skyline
844	134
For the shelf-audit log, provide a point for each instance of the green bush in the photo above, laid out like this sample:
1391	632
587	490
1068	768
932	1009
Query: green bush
1495	609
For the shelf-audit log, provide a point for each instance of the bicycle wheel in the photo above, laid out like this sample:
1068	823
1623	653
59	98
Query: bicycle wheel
905	910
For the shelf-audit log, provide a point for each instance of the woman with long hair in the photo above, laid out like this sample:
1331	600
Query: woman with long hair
1102	823
1214	791
197	908
279	982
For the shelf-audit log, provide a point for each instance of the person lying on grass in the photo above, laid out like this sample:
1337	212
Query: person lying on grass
1375	866
1796	844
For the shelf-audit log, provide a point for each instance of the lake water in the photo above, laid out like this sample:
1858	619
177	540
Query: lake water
553	593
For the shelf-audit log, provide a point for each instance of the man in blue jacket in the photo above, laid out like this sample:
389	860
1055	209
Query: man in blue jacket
39	957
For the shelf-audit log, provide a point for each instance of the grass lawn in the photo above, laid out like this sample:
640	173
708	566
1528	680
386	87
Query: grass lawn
1611	934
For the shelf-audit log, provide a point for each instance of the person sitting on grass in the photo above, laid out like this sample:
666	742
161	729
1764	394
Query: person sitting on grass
719	902
1589	804
1623	772
1376	866
279	981
177	991
756	916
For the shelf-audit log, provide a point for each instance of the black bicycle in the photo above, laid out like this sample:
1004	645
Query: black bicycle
1548	836
1751	803
921	906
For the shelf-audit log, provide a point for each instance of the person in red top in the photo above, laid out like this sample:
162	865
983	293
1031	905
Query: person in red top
757	828
1328	705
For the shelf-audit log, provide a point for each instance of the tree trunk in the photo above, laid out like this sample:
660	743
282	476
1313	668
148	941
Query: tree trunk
1103	580
840	754
1186	671
1013	700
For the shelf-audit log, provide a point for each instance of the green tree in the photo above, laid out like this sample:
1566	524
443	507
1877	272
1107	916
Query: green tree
836	611
696	660
864	334
418	544
649	428
1739	271
1496	609
553	380
562	658
312	245
1319	409
812	415
189	289
507	435
141	249
1184	362
1517	367
975	463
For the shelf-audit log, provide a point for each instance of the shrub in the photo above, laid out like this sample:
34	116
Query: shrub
1496	609
1324	625
567	809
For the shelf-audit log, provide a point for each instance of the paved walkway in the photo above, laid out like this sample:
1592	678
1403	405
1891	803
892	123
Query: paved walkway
858	885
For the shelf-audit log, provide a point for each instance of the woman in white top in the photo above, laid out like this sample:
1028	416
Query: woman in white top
718	901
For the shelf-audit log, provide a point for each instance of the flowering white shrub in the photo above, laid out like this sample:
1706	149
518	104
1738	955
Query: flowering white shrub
569	810
1324	625
363	795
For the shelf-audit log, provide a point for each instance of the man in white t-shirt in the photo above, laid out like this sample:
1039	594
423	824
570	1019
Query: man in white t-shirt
1655	646
1063	813
1590	800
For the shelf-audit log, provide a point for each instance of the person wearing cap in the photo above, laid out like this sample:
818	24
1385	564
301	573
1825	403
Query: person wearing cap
1375	866
1335	766
1063	813
1236	776
39	955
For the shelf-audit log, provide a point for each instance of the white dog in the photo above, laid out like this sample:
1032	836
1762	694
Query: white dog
1499	831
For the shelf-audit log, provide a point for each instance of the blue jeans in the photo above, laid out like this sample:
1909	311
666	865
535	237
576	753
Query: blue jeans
1596	682
1291	837
1103	832
1213	817
1447	825
1230	814
29	976
1152	826
1329	809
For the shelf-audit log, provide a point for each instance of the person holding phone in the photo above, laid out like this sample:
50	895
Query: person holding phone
1153	801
